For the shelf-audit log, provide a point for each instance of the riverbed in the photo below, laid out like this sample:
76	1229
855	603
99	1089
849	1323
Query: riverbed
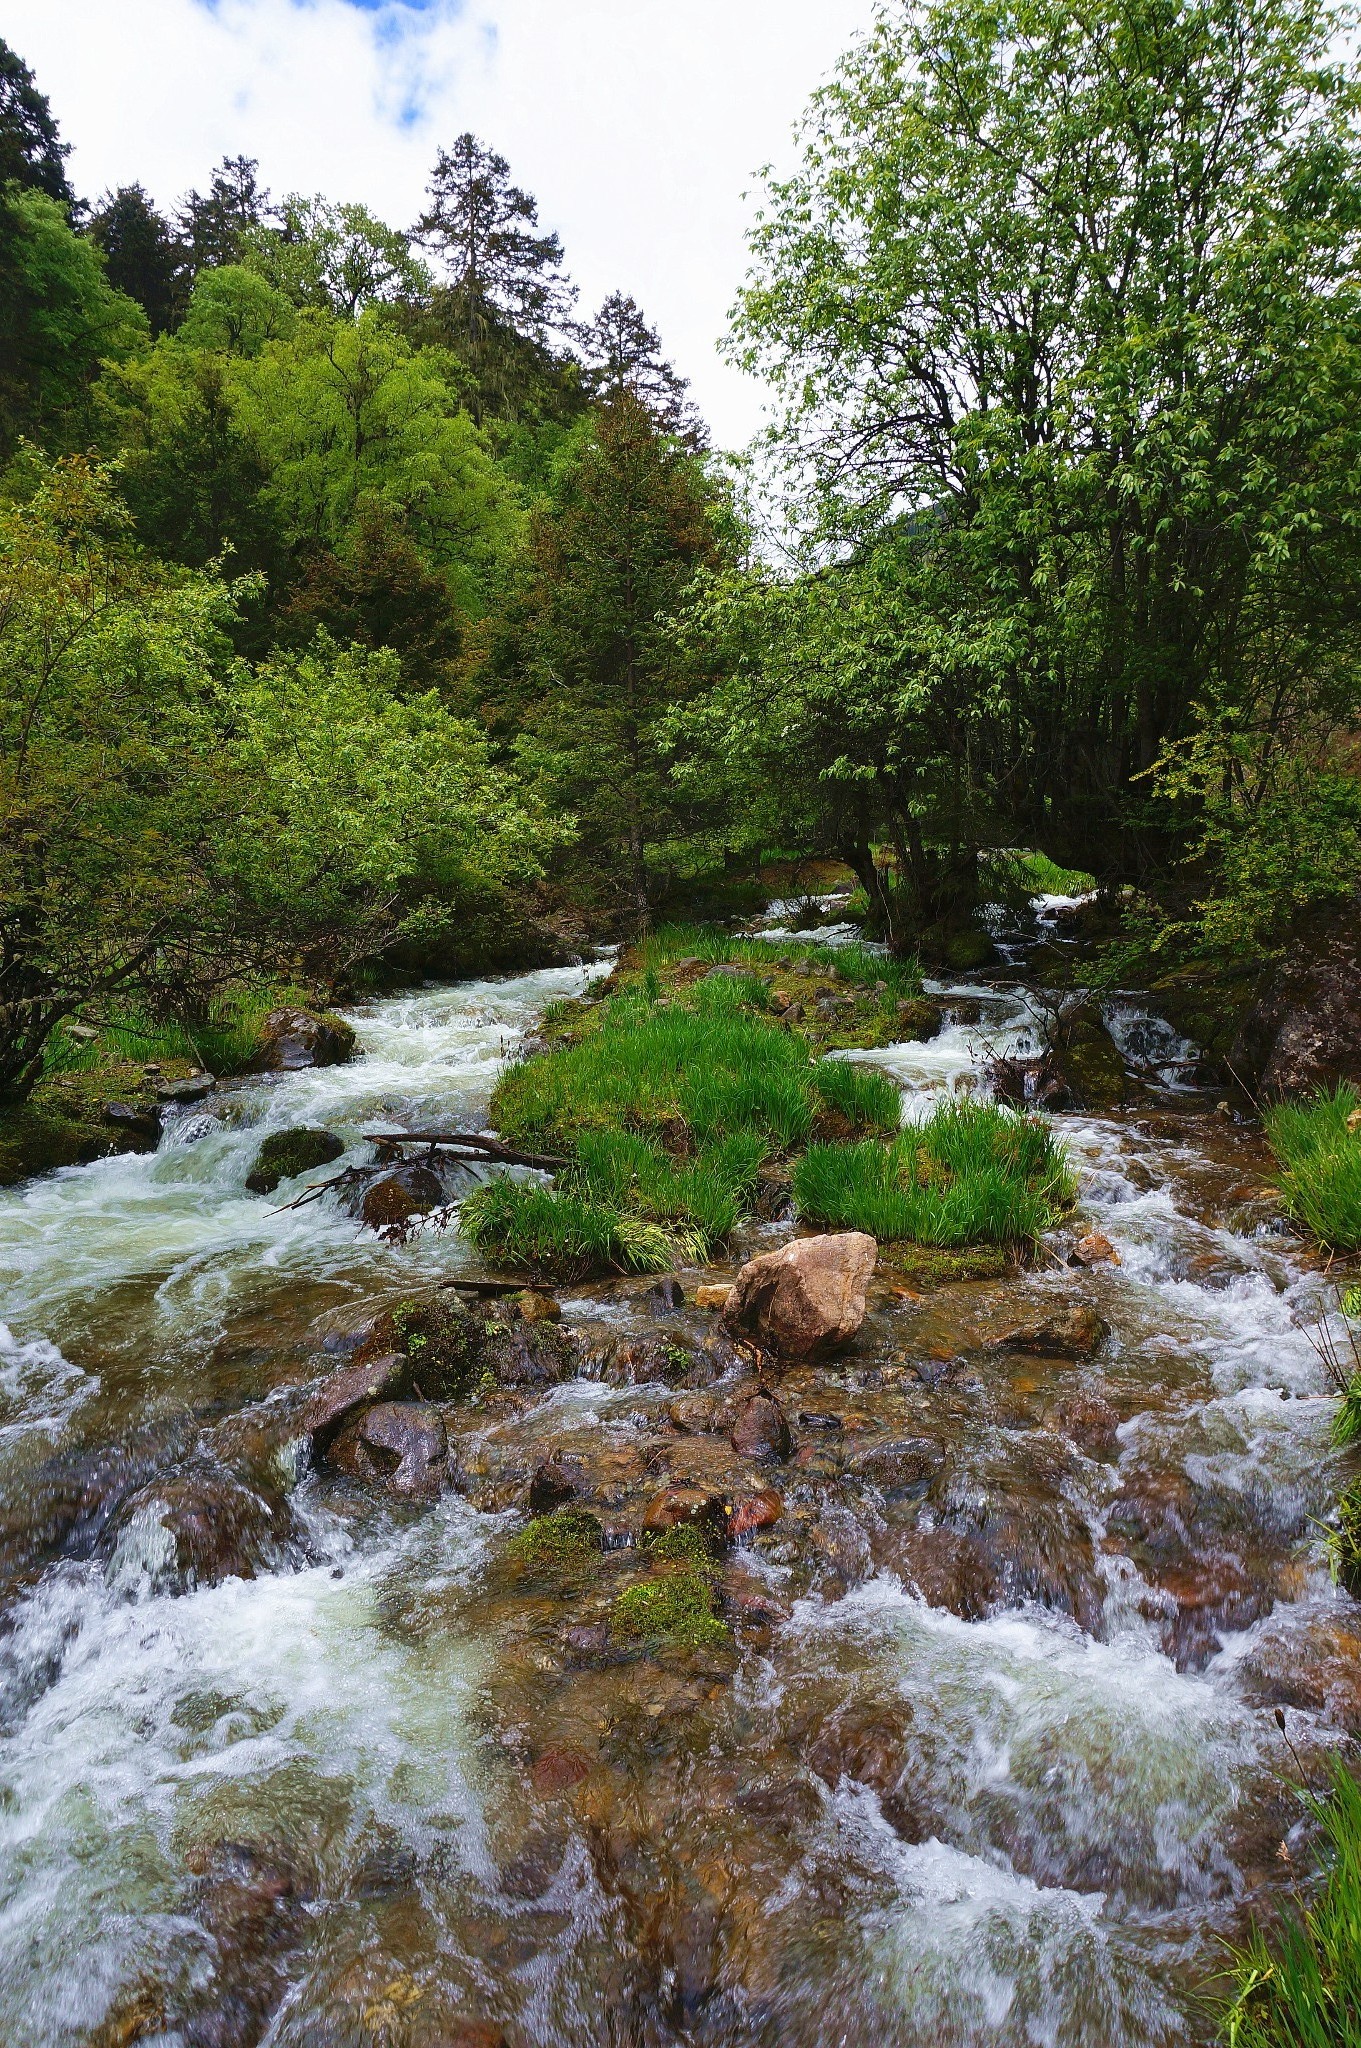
993	1758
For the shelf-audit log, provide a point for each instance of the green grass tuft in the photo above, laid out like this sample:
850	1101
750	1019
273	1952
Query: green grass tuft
1320	1159
564	1235
565	1541
1302	1988
863	1095
858	964
972	1173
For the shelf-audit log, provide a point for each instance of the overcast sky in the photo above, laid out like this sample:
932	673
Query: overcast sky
637	124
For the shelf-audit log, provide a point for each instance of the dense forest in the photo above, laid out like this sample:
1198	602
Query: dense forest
363	602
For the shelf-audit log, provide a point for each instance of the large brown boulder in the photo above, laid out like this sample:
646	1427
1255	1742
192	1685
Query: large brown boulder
403	1444
808	1298
294	1038
1304	1031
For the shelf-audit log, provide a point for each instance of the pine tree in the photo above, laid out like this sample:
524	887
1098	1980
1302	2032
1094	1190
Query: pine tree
620	352
141	253
214	224
31	152
483	229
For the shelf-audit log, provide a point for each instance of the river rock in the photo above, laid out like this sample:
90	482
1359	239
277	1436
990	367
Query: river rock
688	1507
1304	1030
901	1466
537	1308
195	1088
294	1038
717	1296
402	1443
344	1393
1071	1332
217	1528
552	1487
398	1196
759	1429
138	1124
808	1298
755	1511
285	1154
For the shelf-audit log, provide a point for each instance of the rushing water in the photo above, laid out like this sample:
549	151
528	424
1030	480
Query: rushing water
1081	1796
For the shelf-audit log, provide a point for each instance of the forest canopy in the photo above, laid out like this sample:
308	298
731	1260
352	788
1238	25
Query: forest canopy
398	597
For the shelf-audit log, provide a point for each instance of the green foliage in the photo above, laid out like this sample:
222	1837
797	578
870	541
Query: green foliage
701	1197
1301	1988
60	320
1344	1540
674	1610
1321	1164
860	965
970	1173
1059	310
861	1094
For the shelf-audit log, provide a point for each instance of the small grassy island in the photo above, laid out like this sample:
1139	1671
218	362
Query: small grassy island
701	1070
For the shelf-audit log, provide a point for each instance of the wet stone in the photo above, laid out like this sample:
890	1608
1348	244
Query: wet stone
1065	1333
401	1444
346	1392
904	1465
759	1429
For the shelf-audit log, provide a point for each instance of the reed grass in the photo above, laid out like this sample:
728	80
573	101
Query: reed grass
972	1173
565	1235
1320	1159
1302	1987
225	1042
861	964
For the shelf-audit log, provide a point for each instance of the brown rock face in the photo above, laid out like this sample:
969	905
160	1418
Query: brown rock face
760	1430
302	1038
1304	1032
401	1443
345	1393
1067	1333
409	1191
688	1507
808	1298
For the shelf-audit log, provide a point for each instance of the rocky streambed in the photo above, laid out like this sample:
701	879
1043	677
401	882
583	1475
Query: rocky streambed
968	1731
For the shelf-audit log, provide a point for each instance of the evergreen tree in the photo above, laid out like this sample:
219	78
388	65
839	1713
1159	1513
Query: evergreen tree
141	253
214	225
610	564
620	352
30	151
483	229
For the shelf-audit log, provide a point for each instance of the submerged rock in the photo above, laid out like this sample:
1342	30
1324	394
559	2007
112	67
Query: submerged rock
210	1527
1065	1333
759	1429
398	1196
808	1298
285	1154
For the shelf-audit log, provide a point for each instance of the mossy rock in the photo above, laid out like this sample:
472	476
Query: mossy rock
285	1154
966	950
567	1541
1092	1068
444	1342
927	1266
674	1609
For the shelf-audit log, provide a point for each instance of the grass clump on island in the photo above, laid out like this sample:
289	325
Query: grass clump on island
969	1173
666	1111
1320	1159
1301	1988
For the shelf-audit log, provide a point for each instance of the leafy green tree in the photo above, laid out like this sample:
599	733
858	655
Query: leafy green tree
105	667
346	414
335	259
60	320
234	310
377	590
31	151
1066	304
634	522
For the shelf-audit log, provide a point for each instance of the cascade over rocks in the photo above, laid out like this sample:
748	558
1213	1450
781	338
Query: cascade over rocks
807	1299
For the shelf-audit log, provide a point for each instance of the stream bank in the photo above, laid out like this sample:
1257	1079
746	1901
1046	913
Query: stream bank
984	1751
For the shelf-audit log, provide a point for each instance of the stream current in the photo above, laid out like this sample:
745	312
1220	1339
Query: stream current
995	1759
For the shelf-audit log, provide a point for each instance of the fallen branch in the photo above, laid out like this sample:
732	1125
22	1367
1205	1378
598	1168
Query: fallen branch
489	1148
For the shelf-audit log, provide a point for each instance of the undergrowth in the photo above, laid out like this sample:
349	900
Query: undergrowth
224	1042
1320	1160
971	1173
1302	1987
864	965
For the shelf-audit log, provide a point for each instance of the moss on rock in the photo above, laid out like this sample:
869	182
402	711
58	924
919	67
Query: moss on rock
569	1540
285	1154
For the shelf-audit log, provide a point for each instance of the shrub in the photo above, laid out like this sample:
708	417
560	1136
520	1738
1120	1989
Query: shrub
1320	1158
1302	1989
971	1173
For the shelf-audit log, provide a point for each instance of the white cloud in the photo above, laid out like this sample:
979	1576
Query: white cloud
638	124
